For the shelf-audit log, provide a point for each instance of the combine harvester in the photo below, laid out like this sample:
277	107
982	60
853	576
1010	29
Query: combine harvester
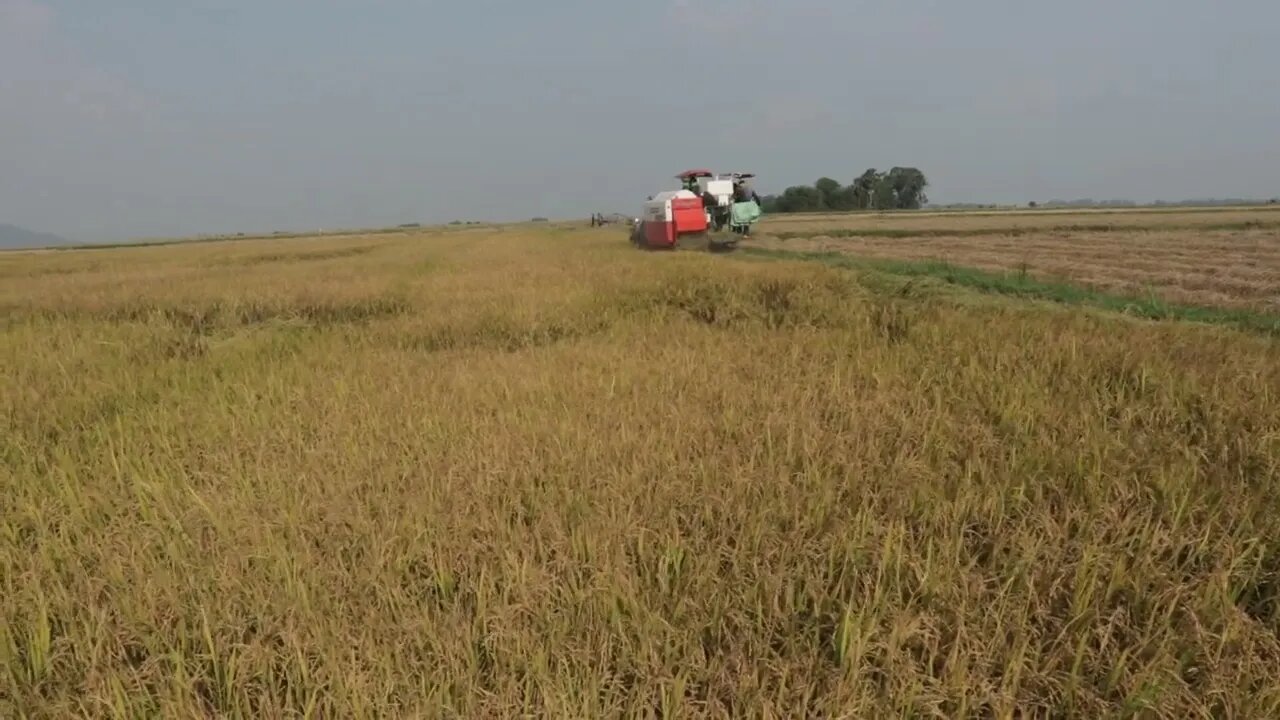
698	214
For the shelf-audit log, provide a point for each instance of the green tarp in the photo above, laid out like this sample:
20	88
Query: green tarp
745	213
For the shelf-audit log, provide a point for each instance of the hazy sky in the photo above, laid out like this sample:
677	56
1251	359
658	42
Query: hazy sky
123	118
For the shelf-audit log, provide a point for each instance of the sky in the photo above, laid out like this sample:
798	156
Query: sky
148	118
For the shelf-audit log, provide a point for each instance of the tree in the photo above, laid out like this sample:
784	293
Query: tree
800	198
843	200
901	188
828	190
864	189
908	187
883	196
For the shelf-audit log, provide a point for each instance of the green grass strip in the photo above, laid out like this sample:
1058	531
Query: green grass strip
1022	285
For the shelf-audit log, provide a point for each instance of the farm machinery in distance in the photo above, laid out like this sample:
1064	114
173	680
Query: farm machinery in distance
709	209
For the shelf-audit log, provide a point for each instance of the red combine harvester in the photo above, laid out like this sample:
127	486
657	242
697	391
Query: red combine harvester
696	213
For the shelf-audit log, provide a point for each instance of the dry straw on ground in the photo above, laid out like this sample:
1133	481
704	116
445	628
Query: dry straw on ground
535	472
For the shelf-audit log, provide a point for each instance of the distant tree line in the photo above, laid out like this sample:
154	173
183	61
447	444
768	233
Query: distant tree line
901	188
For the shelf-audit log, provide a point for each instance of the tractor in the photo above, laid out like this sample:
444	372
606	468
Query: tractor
699	213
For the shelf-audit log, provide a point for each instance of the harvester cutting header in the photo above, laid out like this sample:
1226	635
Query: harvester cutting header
705	205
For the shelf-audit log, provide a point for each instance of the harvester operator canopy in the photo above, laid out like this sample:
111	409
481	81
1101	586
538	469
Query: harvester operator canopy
693	180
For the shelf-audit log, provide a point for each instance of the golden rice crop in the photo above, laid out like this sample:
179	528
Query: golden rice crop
534	472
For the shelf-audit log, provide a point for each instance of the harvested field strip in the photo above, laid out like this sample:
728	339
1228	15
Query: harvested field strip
1185	243
1150	213
1024	286
1237	270
1203	260
1019	219
1176	271
1015	231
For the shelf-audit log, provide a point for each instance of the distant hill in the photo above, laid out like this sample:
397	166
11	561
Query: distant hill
13	237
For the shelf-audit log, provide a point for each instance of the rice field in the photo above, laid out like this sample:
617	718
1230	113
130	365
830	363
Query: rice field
533	472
